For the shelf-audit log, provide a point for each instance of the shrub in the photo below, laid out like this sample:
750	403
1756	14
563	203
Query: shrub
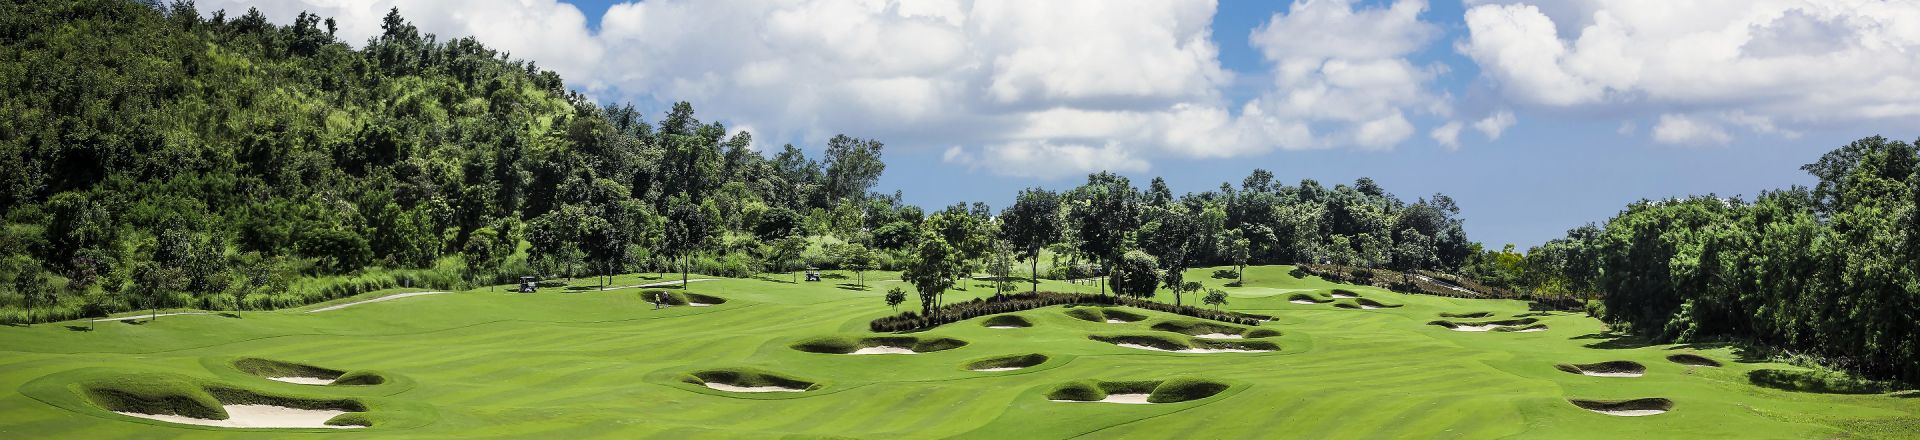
1226	274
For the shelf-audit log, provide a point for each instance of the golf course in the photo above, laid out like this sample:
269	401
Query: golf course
594	363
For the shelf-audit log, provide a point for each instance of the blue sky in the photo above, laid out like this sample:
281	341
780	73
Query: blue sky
1536	116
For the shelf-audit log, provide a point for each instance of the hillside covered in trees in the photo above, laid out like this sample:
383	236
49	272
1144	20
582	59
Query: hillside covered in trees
163	158
1831	272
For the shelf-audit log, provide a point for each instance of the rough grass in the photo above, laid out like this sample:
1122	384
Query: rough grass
844	345
1816	382
1693	360
1010	361
1620	367
1652	403
747	377
1007	321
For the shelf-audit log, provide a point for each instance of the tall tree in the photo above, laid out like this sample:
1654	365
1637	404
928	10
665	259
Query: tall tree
930	269
1032	224
1104	211
853	167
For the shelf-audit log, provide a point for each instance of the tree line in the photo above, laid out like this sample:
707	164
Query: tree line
1831	271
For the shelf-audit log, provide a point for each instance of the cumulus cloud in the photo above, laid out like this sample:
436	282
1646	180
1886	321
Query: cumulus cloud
553	33
1344	68
1047	160
1496	124
1764	66
1686	130
1447	135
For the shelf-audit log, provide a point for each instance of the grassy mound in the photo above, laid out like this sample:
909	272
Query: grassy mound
1467	315
273	368
360	377
1157	391
1303	297
1172	344
1193	328
1609	368
1007	321
1344	293
167	394
1104	314
747	377
845	345
1693	360
1371	303
1011	361
1654	404
1816	382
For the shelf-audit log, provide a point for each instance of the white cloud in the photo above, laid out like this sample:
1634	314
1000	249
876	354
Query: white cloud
1047	160
1447	135
1496	124
1766	66
1686	130
1345	68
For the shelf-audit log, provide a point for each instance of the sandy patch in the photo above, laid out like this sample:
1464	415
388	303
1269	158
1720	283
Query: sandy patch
999	368
1191	350
1302	301
1607	374
1130	399
303	380
1220	336
741	389
371	301
257	416
1531	330
1368	307
1629	412
1343	295
1115	321
695	304
1474	328
1003	326
883	349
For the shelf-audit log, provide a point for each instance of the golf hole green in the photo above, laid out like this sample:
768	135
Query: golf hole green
1606	369
1189	345
183	400
1136	392
1625	408
877	345
1007	363
748	380
304	374
1006	322
1693	360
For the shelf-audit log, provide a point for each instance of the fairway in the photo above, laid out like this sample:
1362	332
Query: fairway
605	364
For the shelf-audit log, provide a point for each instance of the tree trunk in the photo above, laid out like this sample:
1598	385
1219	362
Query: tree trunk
686	264
1242	272
1035	273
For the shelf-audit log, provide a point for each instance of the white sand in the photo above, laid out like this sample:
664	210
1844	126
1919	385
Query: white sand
998	368
1606	374
1531	330
1302	301
257	416
1003	326
883	349
1115	321
1220	336
303	380
1130	399
695	304
1474	328
1629	412
1191	350
1343	295
741	389
1368	307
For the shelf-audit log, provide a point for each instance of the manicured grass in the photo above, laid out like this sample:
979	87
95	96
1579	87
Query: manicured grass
605	364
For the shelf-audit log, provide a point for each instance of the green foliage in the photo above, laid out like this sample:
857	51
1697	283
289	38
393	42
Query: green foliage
1136	274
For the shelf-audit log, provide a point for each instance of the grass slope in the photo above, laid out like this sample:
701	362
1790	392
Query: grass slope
604	364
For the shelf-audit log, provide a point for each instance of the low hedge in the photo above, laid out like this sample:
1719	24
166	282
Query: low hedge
1007	303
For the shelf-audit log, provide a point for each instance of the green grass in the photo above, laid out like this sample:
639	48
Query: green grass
604	364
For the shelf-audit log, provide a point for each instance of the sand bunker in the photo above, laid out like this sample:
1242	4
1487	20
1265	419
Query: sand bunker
1105	315
1606	369
1196	346
1219	336
1510	325
1625	408
303	380
1131	399
1192	350
1693	360
1008	363
258	416
884	349
741	389
1301	301
297	373
1115	321
1343	293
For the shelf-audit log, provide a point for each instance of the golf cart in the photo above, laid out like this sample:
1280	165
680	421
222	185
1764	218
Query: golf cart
528	284
813	274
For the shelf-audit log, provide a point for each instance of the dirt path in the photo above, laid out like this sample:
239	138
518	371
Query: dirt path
134	317
375	300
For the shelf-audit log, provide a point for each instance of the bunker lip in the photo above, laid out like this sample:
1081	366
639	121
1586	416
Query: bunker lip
1129	399
303	380
877	345
1006	322
304	374
1107	315
1606	369
1509	325
1625	408
1303	298
1136	392
257	416
747	380
762	389
1694	360
1344	293
1007	363
1192	346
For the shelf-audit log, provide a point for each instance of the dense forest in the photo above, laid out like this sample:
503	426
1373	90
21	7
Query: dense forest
1830	272
166	158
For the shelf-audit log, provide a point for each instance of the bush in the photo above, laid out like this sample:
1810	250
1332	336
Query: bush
1226	274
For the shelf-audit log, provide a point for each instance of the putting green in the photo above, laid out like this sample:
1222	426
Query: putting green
605	364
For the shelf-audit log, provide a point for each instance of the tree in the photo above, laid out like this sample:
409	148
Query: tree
930	269
689	229
853	167
1136	275
483	255
858	259
1237	247
1172	236
895	297
1000	266
1104	211
1032	224
784	251
1215	298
